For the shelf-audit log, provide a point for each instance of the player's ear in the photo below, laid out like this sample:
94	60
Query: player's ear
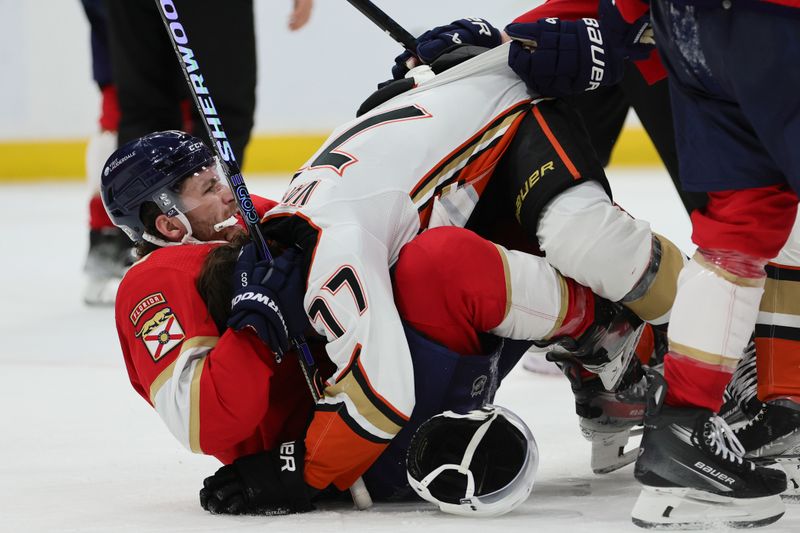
170	227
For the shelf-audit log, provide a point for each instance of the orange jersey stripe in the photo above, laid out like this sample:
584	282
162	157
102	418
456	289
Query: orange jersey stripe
557	145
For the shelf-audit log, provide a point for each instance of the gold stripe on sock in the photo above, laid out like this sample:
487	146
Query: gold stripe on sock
658	299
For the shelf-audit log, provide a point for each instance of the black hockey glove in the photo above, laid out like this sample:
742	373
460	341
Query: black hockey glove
268	297
559	58
635	40
265	483
433	43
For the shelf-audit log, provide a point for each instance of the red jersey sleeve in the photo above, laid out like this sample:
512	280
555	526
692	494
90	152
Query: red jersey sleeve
212	391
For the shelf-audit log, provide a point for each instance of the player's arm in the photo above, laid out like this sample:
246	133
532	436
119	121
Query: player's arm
371	395
210	390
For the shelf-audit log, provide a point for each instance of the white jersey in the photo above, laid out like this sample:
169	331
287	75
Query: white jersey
420	159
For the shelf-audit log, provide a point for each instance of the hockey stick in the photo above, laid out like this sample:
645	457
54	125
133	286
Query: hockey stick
386	23
213	124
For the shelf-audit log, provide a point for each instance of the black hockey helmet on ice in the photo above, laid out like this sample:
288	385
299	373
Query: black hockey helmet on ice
482	463
149	169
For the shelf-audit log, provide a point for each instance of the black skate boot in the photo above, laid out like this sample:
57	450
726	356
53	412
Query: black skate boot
694	475
773	436
608	419
110	254
606	347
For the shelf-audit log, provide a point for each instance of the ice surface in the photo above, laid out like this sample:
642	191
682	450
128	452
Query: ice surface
81	451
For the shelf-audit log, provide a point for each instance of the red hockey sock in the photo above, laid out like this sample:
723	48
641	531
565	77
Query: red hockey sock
98	218
693	383
580	310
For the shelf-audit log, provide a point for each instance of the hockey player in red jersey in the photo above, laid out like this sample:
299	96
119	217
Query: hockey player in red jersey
177	357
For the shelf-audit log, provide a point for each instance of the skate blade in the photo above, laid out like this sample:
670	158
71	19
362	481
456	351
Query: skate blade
690	509
792	470
608	450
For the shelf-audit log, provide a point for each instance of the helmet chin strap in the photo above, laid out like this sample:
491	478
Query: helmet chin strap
188	238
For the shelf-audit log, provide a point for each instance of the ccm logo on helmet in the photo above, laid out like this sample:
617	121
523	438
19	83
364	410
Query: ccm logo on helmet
596	48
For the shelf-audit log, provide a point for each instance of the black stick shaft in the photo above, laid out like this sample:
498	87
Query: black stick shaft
386	23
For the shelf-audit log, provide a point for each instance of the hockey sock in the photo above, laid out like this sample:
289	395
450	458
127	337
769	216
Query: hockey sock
778	335
713	316
98	218
653	295
579	313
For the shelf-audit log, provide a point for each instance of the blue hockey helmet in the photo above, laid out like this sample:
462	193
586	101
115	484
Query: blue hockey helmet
150	169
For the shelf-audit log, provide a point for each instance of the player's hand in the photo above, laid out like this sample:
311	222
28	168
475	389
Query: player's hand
635	40
266	483
268	297
559	58
435	42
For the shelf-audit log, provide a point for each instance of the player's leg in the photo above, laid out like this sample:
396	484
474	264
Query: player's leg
771	108
110	250
223	40
653	107
149	83
692	466
109	253
453	287
561	197
773	431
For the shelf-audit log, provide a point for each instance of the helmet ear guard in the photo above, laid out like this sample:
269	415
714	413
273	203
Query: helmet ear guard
482	463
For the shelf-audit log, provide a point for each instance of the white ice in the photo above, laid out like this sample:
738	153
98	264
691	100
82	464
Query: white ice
81	451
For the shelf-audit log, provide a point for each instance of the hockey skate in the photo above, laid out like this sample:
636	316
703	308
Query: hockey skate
608	419
607	347
773	437
694	475
110	254
740	402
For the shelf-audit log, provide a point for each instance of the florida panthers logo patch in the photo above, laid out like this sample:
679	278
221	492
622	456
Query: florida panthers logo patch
161	333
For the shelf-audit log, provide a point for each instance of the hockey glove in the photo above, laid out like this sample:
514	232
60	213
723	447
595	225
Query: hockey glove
268	297
635	40
559	58
265	483
435	42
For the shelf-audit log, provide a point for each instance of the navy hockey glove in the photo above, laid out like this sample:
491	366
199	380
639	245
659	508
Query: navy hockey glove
635	40
559	58
268	297
266	483
433	43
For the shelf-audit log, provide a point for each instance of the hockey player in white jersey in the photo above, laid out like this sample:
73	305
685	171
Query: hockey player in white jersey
423	159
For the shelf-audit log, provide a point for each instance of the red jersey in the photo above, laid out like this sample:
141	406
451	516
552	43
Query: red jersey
219	394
